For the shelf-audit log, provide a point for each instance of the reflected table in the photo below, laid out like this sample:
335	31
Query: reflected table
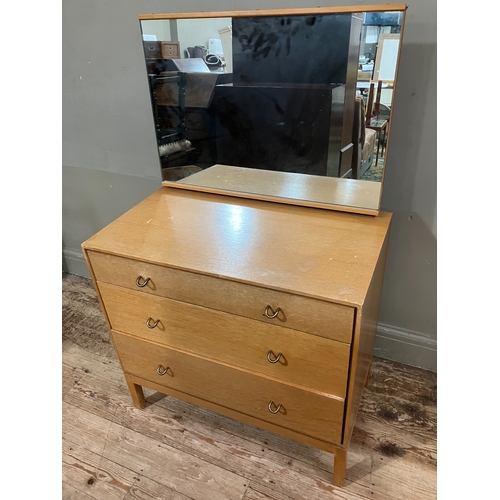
380	126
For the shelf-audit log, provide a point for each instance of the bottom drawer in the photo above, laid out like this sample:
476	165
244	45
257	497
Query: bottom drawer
316	415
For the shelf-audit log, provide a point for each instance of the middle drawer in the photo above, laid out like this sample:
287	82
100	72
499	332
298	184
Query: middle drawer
282	353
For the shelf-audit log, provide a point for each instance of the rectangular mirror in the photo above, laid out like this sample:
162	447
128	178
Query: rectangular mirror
288	105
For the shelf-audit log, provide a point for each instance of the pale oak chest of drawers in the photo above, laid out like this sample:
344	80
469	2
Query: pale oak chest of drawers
262	312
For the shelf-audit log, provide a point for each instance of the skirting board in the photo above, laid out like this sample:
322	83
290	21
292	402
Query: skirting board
73	262
396	344
406	346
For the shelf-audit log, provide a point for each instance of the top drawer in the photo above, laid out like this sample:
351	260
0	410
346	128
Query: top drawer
306	314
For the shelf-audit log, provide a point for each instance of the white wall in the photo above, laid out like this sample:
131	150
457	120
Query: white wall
198	31
157	27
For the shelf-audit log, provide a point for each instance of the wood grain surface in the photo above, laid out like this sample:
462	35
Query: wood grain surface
318	317
307	360
329	193
323	254
307	412
276	12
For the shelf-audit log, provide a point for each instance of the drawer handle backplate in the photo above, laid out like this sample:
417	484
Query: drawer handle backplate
271	404
273	314
271	353
151	325
161	371
141	282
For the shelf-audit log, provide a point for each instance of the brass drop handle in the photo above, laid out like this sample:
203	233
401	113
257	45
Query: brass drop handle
276	358
271	404
151	325
141	282
273	314
161	371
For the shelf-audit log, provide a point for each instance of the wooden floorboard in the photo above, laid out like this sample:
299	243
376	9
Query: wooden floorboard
176	451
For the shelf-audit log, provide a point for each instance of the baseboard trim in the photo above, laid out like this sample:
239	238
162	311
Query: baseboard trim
73	262
406	346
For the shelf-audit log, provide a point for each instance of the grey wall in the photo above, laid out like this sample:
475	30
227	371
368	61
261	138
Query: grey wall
110	161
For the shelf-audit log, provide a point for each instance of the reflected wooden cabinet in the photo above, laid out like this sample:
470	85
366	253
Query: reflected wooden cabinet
260	311
291	111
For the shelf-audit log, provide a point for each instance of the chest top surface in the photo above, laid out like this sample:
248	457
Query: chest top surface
312	252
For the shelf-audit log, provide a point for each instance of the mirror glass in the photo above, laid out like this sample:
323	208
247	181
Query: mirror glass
242	96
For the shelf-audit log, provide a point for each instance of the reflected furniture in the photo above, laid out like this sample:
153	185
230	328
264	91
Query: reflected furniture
181	102
260	311
364	140
379	125
289	109
281	112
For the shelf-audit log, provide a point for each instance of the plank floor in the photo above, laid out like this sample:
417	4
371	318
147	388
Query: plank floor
172	450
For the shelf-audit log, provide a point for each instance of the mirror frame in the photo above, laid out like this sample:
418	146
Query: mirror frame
330	193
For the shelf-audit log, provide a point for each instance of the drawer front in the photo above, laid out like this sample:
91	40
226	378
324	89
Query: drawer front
289	355
170	50
303	411
299	313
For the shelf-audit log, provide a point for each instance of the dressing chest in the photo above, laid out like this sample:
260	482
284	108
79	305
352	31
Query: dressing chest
260	311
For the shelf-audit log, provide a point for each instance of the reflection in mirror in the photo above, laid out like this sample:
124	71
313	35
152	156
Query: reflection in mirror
305	94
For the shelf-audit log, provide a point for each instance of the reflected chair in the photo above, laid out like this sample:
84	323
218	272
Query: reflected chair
364	139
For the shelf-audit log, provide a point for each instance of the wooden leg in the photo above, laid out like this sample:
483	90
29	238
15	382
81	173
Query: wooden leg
136	393
339	466
368	375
